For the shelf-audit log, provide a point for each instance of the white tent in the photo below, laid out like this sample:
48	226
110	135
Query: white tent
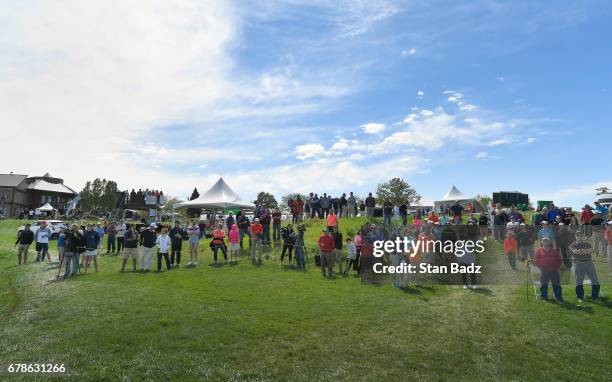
219	196
46	208
454	195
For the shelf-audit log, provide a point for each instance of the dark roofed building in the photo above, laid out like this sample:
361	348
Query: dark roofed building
18	192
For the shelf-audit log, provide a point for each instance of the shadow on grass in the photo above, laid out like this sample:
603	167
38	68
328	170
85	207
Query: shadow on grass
603	302
572	307
484	291
216	265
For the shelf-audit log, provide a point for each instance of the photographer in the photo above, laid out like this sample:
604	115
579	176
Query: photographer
288	241
299	247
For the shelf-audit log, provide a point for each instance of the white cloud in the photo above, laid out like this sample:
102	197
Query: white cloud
309	151
409	52
484	155
530	140
373	128
420	94
498	142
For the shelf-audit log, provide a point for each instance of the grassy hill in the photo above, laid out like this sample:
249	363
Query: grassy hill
244	322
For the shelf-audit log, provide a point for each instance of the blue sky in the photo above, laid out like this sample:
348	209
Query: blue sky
313	95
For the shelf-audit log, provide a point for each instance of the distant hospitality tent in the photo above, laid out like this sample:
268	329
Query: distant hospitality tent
219	197
455	196
46	208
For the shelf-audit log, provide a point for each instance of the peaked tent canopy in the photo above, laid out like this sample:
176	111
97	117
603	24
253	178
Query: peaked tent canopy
454	194
219	196
46	208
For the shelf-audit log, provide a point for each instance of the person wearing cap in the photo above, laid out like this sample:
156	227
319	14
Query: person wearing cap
582	255
177	234
92	241
193	234
597	226
42	236
564	237
510	248
326	251
24	239
585	219
546	231
148	240
525	239
257	231
549	261
131	240
608	237
370	204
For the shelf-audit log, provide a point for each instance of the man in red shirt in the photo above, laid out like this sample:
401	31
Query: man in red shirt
549	261
326	250
257	237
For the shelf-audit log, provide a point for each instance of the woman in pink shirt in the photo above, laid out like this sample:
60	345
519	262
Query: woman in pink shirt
234	240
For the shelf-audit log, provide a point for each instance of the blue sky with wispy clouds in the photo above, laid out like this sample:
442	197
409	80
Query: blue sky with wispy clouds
312	95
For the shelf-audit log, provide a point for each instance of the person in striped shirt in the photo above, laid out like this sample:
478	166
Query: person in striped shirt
582	255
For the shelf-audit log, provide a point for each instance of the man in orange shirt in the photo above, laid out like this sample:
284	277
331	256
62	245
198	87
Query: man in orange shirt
257	237
510	248
433	217
332	221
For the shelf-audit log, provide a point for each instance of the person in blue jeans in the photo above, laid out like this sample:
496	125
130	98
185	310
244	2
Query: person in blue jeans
276	225
74	245
387	212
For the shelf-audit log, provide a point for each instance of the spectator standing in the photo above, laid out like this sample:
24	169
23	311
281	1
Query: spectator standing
276	225
92	242
148	240
370	204
177	234
74	245
110	241
234	239
351	203
193	233
24	239
42	236
338	246
548	260
121	228
131	240
582	255
326	251
256	240
265	221
243	224
163	243
387	212
218	243
230	221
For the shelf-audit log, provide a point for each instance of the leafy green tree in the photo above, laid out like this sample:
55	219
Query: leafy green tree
397	191
285	199
266	199
99	195
484	200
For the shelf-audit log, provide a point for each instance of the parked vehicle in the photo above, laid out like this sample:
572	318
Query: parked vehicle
54	225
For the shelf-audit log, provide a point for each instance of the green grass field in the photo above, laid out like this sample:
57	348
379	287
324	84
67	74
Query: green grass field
249	323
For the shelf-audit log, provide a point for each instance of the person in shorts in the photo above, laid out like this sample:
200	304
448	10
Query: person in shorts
92	241
233	237
193	232
130	247
24	239
42	236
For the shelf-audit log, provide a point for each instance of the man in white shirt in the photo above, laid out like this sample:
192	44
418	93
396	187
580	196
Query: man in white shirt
42	236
